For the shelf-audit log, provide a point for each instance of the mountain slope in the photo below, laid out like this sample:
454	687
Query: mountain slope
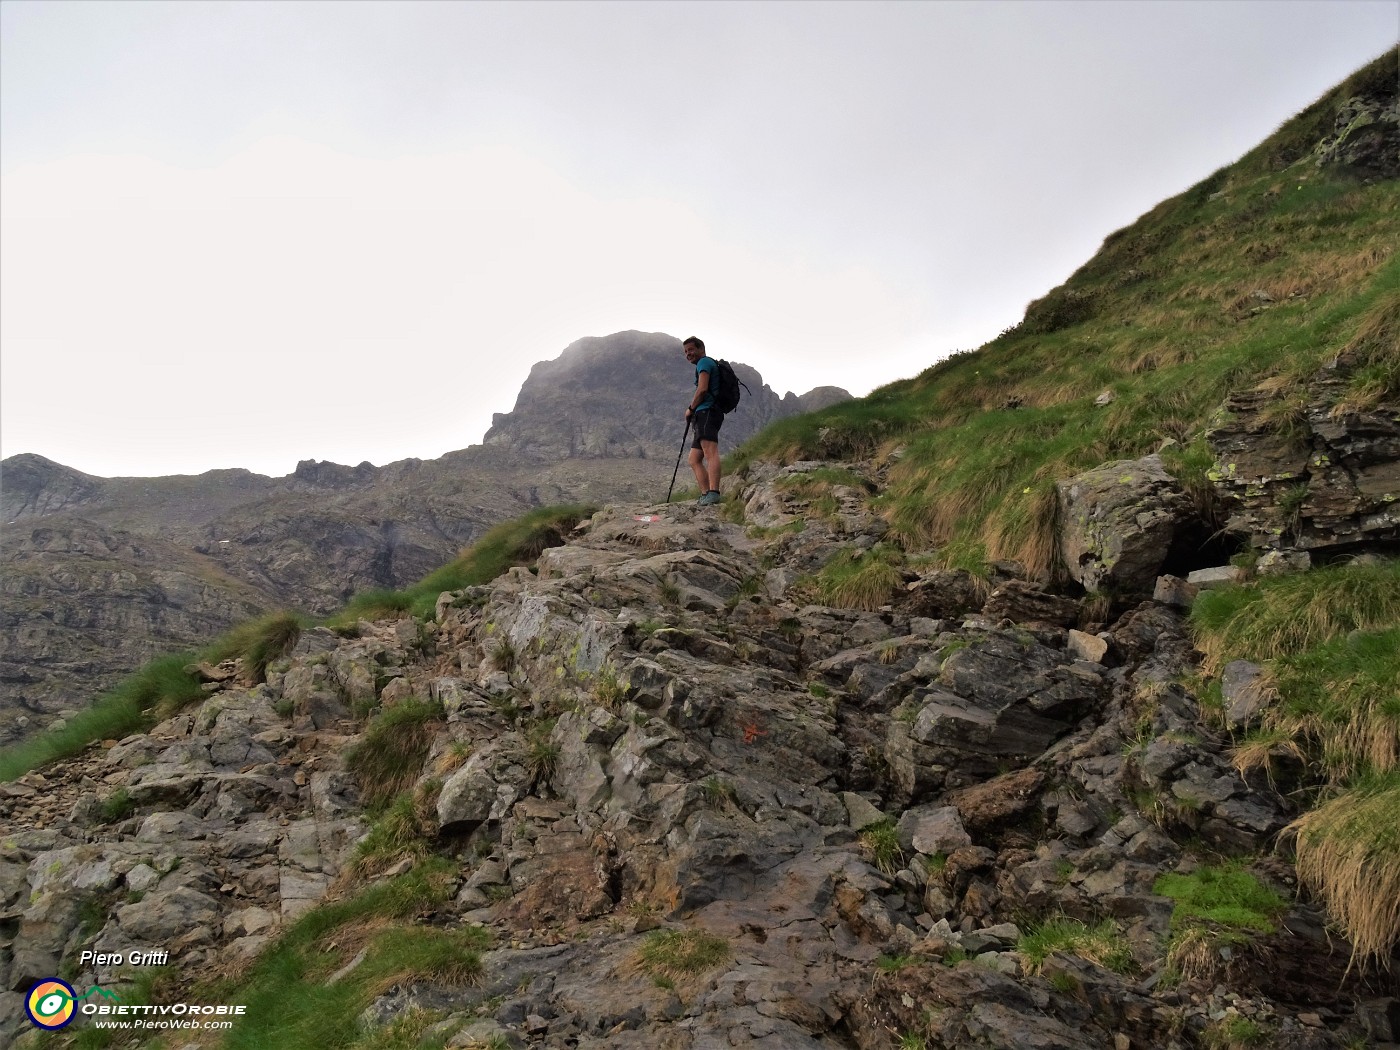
649	793
774	775
1255	278
601	422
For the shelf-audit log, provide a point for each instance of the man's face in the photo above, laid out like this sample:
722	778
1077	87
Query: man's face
692	352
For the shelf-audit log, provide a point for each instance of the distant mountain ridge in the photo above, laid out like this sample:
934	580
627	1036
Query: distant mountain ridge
102	573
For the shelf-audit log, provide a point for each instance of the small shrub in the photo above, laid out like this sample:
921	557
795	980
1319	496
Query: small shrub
717	792
117	806
881	845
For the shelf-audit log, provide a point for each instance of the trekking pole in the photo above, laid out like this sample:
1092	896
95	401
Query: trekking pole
678	461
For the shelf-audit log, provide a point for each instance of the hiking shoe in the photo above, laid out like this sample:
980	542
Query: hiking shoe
709	499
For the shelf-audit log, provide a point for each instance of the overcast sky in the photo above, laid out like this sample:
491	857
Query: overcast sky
249	233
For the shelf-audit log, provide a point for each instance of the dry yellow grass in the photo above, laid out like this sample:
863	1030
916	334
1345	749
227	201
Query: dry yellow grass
1348	853
1264	750
1194	956
1031	536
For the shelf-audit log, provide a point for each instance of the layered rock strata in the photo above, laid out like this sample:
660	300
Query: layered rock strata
720	748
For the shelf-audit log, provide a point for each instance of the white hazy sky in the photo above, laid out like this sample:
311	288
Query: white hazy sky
248	233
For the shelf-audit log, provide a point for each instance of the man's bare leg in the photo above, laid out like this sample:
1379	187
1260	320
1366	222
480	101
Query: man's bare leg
710	450
697	467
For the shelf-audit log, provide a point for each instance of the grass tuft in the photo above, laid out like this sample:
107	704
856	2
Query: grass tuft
260	642
1102	944
860	579
286	990
162	686
390	756
516	542
1278	616
1348	853
398	832
1221	911
682	953
881	845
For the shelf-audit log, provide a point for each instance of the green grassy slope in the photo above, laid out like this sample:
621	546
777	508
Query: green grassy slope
1258	274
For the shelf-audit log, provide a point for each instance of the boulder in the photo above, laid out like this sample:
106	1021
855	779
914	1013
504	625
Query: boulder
932	830
1119	521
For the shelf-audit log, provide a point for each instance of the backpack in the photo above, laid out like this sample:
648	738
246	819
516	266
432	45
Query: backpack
727	387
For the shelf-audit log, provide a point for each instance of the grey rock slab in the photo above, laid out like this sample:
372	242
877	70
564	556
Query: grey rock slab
1242	688
161	917
932	830
300	891
142	878
300	846
1215	578
861	814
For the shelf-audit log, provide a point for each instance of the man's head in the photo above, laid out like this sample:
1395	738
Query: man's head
694	349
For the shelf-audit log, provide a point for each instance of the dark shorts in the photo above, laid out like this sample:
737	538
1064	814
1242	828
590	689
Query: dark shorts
706	424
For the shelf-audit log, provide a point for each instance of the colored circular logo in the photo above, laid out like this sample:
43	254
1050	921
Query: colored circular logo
51	1003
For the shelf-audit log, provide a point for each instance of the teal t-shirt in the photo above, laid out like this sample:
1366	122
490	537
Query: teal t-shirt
706	364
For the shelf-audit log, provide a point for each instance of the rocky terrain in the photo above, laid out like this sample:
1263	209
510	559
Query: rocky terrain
101	573
780	773
848	823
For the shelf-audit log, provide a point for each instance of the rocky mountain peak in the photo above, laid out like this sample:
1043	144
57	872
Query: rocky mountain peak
33	485
623	395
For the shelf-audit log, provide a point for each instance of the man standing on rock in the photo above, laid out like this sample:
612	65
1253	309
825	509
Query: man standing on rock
706	417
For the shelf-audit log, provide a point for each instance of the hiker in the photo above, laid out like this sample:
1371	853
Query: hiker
706	417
